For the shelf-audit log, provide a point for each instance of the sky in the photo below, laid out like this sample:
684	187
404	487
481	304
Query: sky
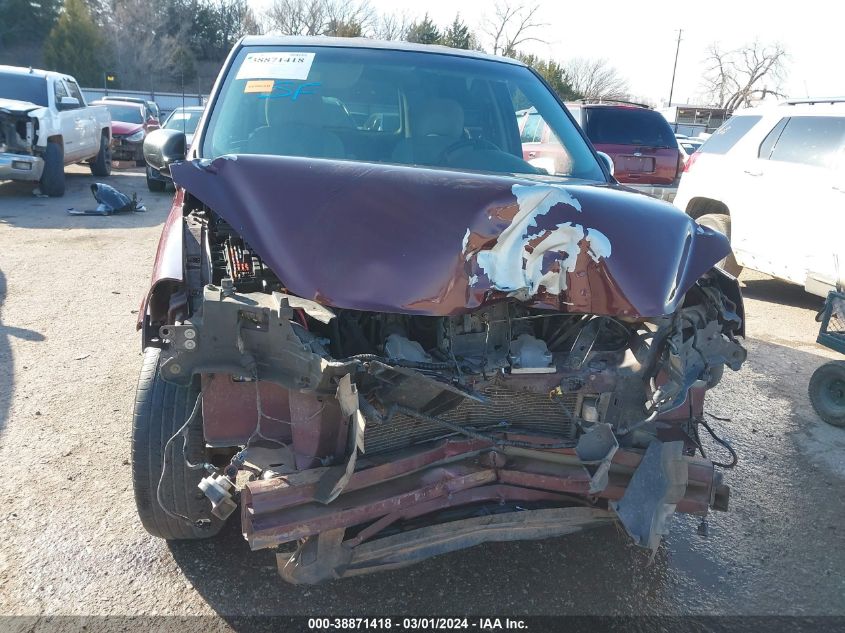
639	38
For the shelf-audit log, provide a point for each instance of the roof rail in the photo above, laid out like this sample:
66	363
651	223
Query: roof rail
622	101
812	101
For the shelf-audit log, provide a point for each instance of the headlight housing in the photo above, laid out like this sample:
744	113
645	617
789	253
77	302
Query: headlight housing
137	137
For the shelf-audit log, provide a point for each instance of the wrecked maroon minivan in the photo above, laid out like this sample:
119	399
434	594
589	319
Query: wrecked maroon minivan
388	342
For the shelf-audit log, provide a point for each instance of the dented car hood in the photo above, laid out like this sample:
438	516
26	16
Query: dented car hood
17	108
434	242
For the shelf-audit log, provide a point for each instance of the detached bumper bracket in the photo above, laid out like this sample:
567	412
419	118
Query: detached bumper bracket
658	484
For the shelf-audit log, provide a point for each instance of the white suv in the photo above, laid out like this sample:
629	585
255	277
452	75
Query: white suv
772	179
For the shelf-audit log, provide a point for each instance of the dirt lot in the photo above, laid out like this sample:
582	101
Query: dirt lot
69	356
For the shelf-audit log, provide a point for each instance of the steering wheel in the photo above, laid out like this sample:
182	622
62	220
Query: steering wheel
464	143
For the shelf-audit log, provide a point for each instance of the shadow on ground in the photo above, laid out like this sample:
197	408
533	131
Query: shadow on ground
7	364
531	577
780	292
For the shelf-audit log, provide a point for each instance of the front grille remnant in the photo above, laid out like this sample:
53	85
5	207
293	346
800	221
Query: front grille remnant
508	409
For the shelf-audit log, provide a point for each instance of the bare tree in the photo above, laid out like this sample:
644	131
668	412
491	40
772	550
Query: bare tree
512	25
392	26
144	25
320	17
737	78
596	79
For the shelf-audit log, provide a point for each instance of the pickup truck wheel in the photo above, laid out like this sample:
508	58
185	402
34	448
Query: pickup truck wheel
53	178
101	165
827	392
722	223
161	410
152	183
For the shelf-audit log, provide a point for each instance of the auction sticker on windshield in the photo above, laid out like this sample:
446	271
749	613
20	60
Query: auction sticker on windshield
279	65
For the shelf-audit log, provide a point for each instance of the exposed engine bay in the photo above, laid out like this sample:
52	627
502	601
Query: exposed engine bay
504	407
17	132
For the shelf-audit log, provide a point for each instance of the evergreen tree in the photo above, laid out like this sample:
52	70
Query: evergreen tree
75	46
457	35
26	21
425	32
553	73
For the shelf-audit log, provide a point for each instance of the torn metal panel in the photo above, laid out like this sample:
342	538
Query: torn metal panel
280	510
334	480
651	497
327	556
636	257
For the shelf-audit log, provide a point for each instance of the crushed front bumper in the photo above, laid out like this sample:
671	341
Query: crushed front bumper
127	150
21	167
542	493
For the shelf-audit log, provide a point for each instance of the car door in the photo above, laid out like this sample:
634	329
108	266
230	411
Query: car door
794	183
89	143
70	123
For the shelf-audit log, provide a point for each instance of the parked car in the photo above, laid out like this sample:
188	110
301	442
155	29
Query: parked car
46	124
184	119
153	111
386	344
130	123
759	174
688	145
640	141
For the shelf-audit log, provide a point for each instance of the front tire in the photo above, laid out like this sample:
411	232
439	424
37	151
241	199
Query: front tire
161	409
722	224
827	392
53	177
101	165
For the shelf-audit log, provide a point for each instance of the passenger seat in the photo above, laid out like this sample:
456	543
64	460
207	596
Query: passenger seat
295	128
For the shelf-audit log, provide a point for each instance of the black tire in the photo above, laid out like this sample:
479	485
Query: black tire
161	408
722	224
101	164
152	183
827	392
53	177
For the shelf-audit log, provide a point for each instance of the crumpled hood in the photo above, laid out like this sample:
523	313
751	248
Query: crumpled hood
125	129
434	242
13	106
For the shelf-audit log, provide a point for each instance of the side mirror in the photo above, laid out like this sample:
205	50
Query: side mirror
164	147
608	161
68	103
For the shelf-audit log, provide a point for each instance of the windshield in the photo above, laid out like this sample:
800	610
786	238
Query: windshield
390	106
30	88
628	126
183	120
124	113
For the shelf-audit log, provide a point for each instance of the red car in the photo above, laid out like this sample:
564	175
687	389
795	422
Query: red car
130	123
638	139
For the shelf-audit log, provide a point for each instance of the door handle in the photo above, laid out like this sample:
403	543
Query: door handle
532	154
753	173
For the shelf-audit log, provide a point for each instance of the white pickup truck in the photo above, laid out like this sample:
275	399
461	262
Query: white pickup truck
45	124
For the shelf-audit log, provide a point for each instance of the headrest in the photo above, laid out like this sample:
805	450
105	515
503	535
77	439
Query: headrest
305	110
438	117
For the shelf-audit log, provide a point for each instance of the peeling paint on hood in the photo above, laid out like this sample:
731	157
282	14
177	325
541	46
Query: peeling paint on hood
525	258
434	242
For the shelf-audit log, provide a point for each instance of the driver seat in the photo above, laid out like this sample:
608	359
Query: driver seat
436	125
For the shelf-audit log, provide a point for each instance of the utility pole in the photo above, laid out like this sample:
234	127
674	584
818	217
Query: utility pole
675	67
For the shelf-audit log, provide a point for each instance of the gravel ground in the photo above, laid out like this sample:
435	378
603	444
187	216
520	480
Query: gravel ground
69	357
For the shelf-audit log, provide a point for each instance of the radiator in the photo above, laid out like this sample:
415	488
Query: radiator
518	410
